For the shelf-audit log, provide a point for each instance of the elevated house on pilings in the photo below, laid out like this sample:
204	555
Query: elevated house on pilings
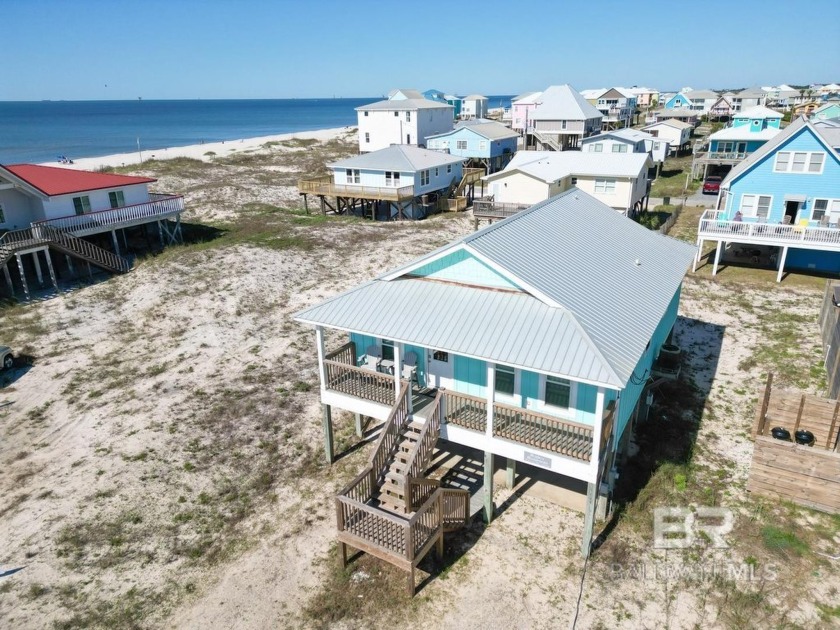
481	143
400	182
46	210
508	341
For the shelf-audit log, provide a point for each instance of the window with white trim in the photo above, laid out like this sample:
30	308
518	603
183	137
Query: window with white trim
605	186
408	117
619	148
505	382
353	175
117	198
822	207
558	392
756	205
424	178
562	124
596	147
799	162
366	113
392	178
461	145
81	204
367	137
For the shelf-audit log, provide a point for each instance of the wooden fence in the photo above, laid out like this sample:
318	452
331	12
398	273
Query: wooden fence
829	325
808	475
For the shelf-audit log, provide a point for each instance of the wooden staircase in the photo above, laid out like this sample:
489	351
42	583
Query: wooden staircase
62	241
547	141
391	510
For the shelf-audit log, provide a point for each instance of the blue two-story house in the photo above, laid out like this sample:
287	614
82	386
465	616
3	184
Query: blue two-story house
521	332
480	142
785	198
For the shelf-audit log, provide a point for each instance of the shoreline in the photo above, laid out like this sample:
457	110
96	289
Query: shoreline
220	149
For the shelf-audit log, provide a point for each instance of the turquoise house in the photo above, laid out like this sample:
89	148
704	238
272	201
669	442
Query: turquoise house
457	102
482	142
749	130
514	330
435	95
785	198
827	111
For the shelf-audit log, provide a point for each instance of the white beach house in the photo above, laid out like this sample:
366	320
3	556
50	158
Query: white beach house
405	117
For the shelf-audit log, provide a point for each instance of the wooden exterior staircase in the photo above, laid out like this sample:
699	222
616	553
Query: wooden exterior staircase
391	510
62	241
547	141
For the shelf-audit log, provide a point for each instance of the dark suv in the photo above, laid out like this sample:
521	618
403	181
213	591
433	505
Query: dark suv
712	185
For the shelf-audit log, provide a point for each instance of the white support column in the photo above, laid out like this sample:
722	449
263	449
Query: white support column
38	268
322	369
717	257
593	488
698	256
398	353
782	260
491	398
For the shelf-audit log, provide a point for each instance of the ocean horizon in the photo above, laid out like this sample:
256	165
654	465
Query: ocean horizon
41	131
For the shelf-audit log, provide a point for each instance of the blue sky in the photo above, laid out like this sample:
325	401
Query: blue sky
73	49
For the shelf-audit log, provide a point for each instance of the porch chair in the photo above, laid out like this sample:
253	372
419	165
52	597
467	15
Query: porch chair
409	370
824	221
373	357
786	220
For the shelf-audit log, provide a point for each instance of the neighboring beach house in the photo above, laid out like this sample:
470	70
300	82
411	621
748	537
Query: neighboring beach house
46	208
645	97
616	105
398	182
627	141
786	196
561	119
405	117
619	180
675	132
457	104
474	106
749	130
683	115
722	107
521	107
435	95
484	143
750	97
695	100
498	342
827	111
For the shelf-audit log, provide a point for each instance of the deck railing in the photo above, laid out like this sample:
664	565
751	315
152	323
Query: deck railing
359	382
343	354
389	437
542	431
731	156
388	532
489	209
713	223
465	411
326	186
159	206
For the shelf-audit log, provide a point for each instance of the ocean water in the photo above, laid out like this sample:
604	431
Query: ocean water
42	131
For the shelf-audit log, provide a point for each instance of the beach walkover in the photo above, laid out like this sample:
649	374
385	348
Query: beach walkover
44	209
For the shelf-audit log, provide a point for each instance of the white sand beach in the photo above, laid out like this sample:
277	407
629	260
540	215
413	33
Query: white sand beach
205	151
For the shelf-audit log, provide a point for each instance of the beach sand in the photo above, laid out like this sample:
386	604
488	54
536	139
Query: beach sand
205	152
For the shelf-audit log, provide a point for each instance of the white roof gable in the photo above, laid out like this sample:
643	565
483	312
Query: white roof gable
562	102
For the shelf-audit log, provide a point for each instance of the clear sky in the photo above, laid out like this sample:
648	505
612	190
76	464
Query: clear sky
124	49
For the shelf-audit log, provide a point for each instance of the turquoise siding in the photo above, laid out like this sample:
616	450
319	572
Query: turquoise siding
461	266
757	124
678	101
470	376
761	180
477	145
362	342
832	111
751	145
630	395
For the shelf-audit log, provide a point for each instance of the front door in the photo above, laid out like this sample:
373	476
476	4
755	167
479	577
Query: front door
791	210
441	372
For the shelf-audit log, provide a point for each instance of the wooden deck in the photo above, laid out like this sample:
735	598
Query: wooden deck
714	226
492	210
159	207
325	186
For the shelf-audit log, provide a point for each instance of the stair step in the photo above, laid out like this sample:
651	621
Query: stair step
396	479
392	503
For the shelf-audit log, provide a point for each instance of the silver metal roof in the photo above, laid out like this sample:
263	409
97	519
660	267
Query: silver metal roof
596	286
405	104
398	157
562	102
489	129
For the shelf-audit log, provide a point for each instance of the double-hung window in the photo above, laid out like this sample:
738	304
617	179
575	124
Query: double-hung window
799	162
424	178
596	147
116	198
505	380
392	178
408	117
619	148
606	186
81	204
461	145
558	392
756	205
353	176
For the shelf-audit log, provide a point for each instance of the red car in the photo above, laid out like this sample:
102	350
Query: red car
712	185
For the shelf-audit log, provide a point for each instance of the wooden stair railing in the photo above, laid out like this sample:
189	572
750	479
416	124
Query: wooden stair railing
64	242
389	441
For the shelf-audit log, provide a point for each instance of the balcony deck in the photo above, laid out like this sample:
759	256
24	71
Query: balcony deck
325	186
492	210
714	227
159	207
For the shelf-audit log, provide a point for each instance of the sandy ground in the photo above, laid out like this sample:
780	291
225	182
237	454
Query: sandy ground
160	462
206	151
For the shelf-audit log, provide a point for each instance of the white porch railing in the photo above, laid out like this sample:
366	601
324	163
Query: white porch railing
713	225
160	206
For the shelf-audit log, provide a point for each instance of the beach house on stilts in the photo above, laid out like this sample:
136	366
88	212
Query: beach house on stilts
73	213
514	341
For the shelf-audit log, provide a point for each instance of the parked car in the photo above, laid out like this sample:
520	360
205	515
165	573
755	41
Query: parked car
6	358
712	185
